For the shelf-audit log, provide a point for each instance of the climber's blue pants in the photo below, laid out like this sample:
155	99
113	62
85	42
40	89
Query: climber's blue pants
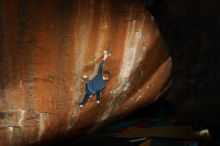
88	94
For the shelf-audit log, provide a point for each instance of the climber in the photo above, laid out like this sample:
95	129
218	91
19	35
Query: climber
94	86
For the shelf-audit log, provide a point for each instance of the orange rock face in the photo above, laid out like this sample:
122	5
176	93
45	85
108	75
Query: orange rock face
47	46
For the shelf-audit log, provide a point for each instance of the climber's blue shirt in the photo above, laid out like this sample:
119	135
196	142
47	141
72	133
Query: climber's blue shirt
97	83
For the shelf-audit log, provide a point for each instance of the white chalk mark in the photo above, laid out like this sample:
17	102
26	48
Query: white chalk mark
130	61
41	125
21	118
10	134
139	97
126	86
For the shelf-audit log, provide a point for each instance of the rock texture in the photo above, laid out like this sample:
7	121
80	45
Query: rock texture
191	29
47	46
